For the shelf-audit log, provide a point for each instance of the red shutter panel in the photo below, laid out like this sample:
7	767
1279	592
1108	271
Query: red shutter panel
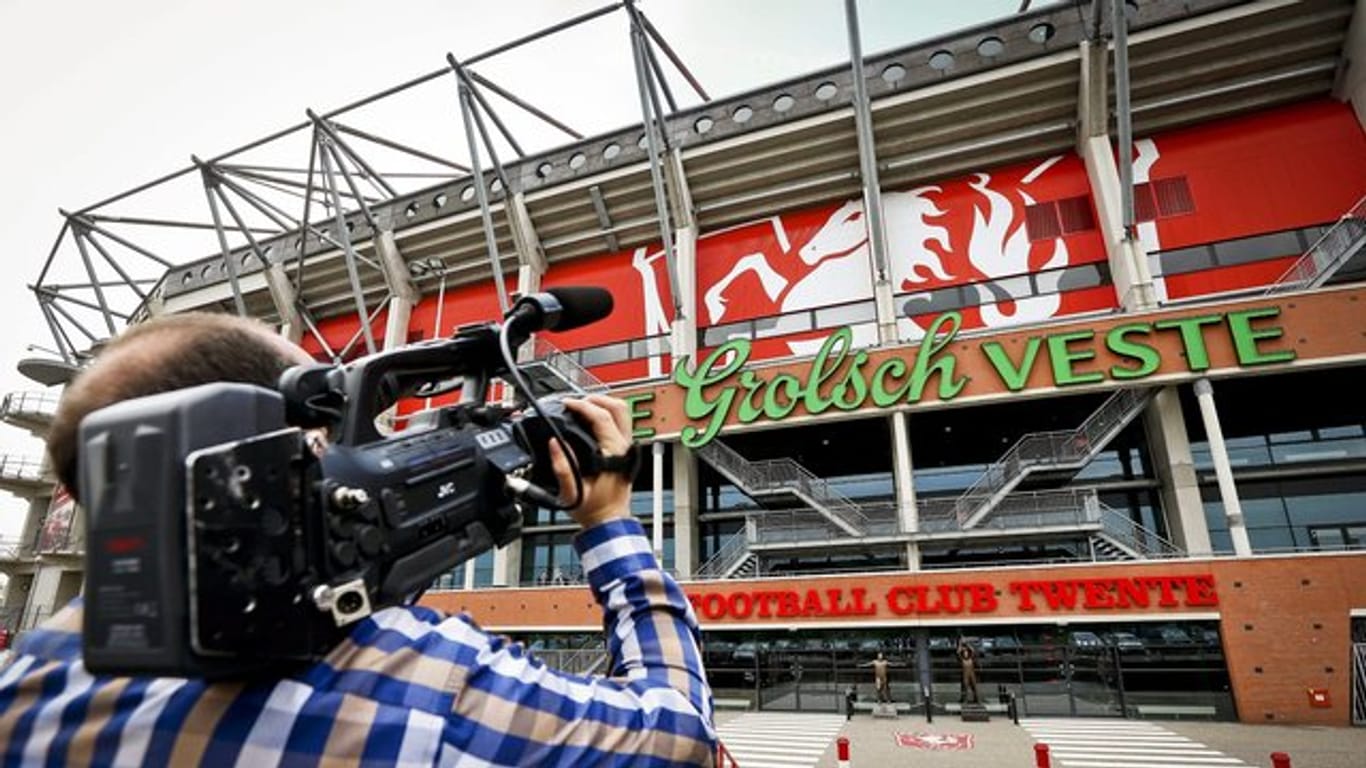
1041	221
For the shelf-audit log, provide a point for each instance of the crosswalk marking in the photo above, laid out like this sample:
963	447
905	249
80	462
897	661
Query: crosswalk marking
1122	744
779	740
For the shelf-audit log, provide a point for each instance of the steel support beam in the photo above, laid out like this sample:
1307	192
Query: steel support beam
348	250
469	116
654	121
1123	115
94	279
211	192
883	293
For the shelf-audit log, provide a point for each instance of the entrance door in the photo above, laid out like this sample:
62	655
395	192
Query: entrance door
801	676
1073	680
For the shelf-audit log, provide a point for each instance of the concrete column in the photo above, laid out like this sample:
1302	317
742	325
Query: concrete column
402	293
683	329
1170	449
1127	259
1351	84
908	514
507	565
685	511
469	574
507	560
1228	492
282	295
530	254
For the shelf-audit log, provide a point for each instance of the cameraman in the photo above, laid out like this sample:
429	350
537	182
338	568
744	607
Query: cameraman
408	686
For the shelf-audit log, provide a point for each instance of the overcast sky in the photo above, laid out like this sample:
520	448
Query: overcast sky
98	97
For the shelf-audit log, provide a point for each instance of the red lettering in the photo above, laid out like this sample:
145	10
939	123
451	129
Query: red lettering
1059	594
1163	583
860	608
922	600
1131	592
1021	590
696	601
812	606
789	605
894	598
950	598
765	602
835	596
740	605
713	605
1098	594
983	598
1200	590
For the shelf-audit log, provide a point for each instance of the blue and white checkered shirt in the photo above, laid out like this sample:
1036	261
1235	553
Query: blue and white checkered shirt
409	687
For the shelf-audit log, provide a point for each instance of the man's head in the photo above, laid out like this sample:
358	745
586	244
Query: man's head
164	354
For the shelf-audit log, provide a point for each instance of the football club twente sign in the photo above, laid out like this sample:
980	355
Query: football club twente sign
723	388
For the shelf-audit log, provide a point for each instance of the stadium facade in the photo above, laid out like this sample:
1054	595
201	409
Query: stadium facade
915	362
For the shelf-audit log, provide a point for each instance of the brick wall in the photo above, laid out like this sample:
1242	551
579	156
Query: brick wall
1285	621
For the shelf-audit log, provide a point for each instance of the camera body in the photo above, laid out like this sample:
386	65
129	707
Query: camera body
219	545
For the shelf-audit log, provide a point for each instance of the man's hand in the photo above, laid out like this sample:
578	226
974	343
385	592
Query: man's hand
607	496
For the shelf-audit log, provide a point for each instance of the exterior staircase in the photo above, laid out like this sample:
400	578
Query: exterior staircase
1326	256
734	560
1049	451
785	478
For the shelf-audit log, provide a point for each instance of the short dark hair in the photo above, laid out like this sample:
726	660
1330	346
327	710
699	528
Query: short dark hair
193	348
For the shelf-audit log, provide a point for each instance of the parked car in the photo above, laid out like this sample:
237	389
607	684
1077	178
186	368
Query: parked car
1086	642
1165	635
1125	642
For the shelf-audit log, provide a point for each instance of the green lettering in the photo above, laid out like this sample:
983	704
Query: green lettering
1245	337
1147	357
711	373
891	368
823	368
747	411
1062	358
638	411
1192	338
924	368
783	381
850	393
1014	378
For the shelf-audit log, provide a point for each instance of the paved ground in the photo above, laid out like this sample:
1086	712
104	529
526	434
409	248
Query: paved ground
1091	743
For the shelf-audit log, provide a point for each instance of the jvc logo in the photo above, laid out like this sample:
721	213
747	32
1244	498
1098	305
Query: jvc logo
445	489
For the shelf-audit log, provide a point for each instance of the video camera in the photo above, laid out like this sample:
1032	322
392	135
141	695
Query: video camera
219	545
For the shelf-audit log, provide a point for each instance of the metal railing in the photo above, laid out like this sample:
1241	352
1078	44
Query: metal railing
785	476
15	549
1019	511
22	468
1142	541
544	353
32	405
1063	449
733	551
792	526
1327	255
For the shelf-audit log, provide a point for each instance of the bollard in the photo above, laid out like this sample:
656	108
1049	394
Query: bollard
1280	760
1041	756
842	752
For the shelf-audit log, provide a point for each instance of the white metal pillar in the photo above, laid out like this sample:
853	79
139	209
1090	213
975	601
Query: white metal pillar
1228	492
682	345
908	513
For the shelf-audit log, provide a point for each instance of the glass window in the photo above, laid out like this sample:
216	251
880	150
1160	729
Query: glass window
608	353
717	335
483	570
782	325
848	314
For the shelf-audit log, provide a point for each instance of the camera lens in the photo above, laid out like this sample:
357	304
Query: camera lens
349	602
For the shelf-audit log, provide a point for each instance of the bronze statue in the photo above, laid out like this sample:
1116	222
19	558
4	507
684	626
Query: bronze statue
884	689
967	658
